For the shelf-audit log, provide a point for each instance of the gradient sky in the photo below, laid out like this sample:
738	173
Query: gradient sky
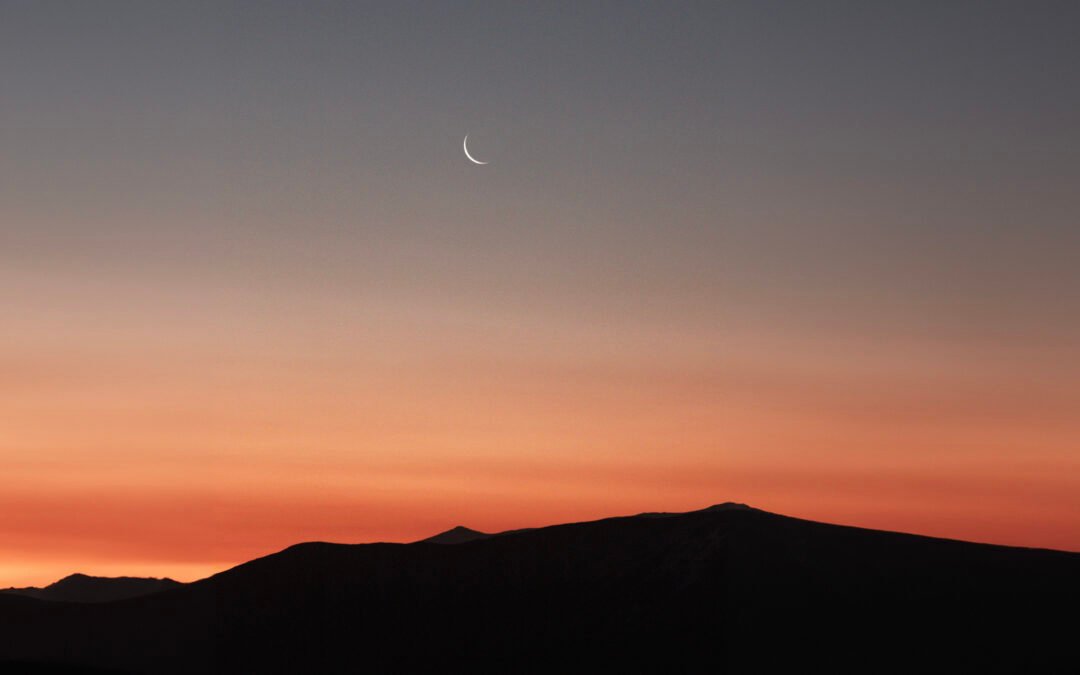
820	259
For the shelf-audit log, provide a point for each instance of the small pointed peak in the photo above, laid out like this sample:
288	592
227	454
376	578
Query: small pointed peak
730	506
458	534
78	577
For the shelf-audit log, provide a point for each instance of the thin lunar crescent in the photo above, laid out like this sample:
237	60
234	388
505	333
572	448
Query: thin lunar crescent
472	159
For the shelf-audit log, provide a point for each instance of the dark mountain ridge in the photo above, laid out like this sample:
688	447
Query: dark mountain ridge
85	588
725	589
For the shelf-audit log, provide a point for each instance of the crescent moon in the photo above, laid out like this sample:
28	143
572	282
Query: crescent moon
465	146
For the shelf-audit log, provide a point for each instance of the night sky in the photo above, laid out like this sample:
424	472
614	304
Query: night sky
819	257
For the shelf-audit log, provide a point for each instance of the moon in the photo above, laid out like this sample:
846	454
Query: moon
465	146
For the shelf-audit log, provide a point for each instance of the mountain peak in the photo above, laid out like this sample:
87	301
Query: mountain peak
78	576
458	534
730	506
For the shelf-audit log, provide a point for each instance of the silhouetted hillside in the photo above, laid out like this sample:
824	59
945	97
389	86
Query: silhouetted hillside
729	589
83	588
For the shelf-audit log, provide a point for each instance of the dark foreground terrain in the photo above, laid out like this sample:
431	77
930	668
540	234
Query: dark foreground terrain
726	589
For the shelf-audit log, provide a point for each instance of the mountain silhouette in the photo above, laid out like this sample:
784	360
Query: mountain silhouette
84	588
726	589
456	535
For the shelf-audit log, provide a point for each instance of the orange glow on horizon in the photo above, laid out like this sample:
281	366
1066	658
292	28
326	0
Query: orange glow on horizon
141	449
